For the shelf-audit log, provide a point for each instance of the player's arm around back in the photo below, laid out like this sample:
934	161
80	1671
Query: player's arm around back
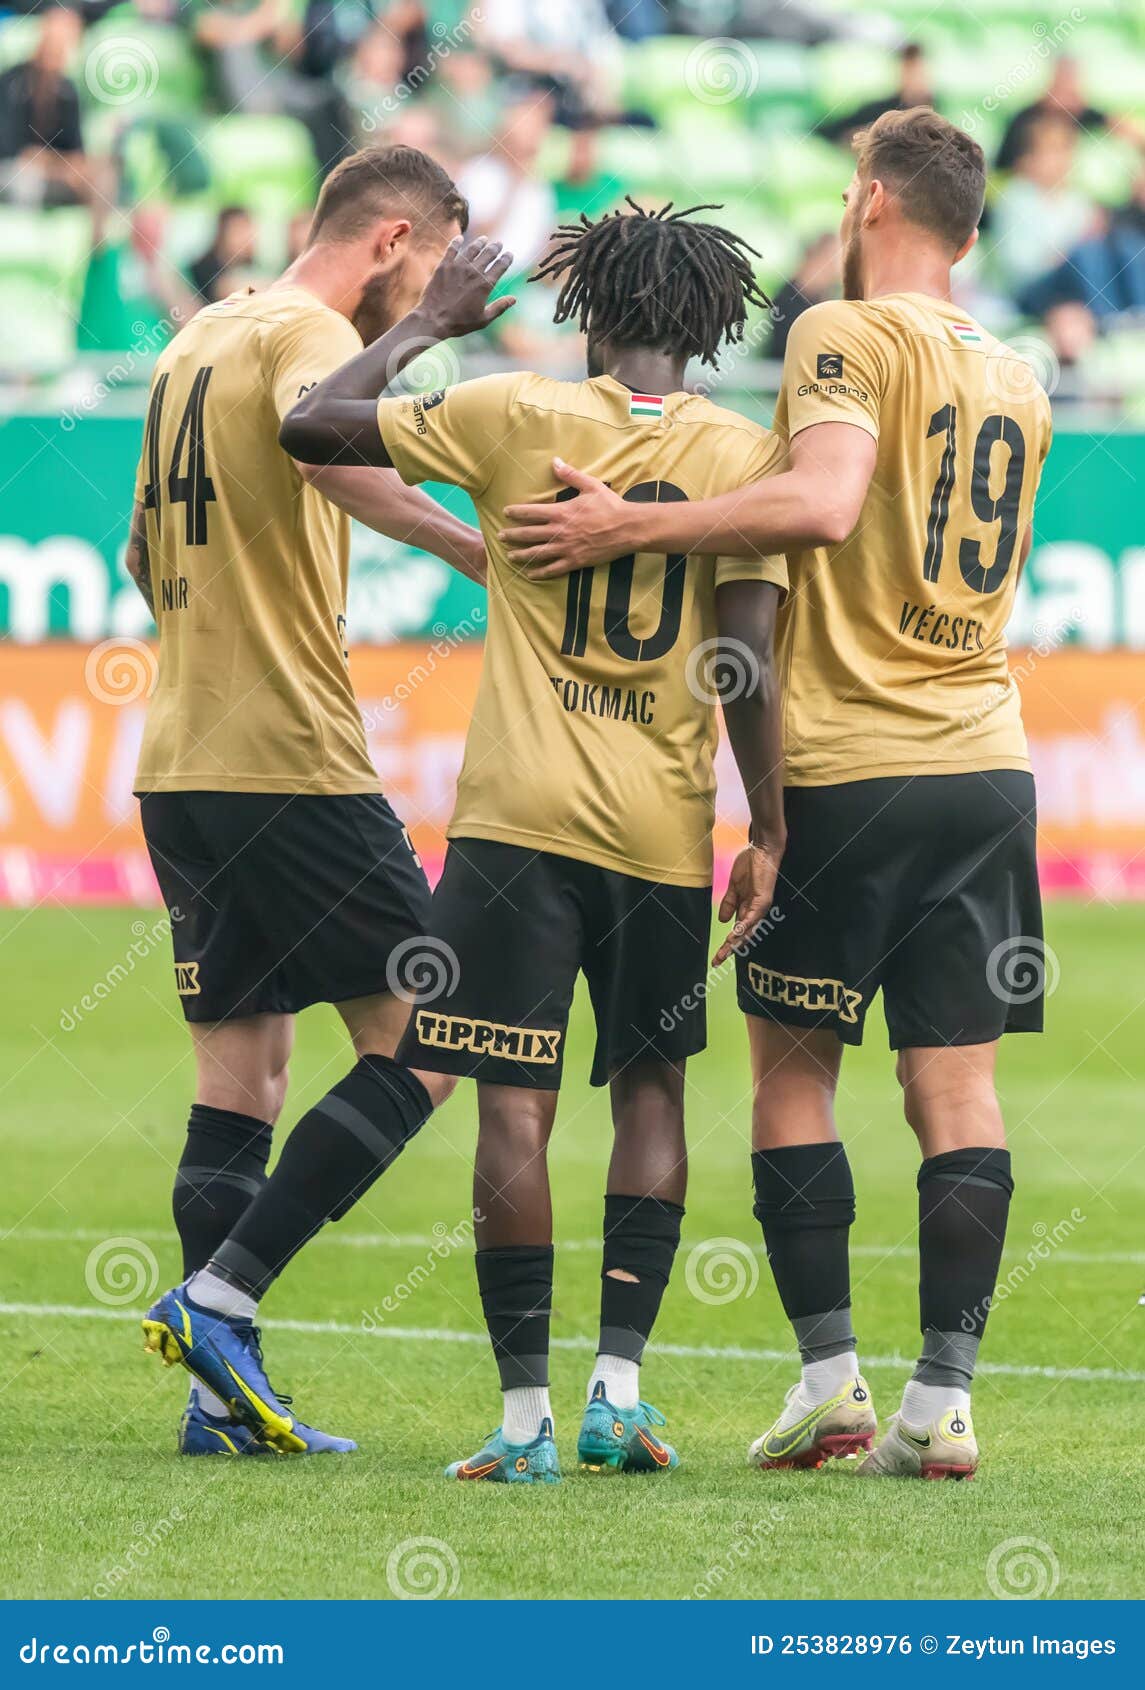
336	422
748	687
835	373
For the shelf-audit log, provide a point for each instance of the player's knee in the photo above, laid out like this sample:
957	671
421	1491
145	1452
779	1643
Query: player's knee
274	1094
948	1111
439	1087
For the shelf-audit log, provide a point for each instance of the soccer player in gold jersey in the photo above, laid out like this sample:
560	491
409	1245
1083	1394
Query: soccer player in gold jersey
289	879
581	839
915	442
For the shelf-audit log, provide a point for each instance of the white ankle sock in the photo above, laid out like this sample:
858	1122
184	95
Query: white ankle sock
823	1380
209	1402
211	1292
621	1380
923	1403
525	1407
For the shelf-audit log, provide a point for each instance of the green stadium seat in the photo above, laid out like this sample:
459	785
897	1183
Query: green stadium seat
266	163
18	37
43	257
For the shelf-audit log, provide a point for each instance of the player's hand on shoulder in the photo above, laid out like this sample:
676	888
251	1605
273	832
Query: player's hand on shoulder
566	534
456	297
751	889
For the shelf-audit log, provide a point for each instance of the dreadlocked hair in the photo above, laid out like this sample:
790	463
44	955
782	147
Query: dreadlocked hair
651	278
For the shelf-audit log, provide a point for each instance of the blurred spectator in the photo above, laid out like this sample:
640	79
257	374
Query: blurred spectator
466	100
1064	97
1038	217
915	88
42	160
133	296
262	60
636	20
371	78
1104	275
816	279
566	47
507	198
227	261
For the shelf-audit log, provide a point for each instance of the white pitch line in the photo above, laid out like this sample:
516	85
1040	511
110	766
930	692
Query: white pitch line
694	1352
429	1240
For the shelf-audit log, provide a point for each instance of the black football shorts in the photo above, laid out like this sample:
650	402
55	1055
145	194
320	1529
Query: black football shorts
280	900
924	886
510	930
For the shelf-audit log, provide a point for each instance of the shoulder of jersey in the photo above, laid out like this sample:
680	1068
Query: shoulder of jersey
698	408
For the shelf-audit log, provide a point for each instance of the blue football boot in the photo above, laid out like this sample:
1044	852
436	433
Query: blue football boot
225	1355
504	1463
621	1440
201	1433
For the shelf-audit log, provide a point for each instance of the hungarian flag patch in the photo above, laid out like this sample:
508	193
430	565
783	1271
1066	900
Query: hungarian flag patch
967	333
645	405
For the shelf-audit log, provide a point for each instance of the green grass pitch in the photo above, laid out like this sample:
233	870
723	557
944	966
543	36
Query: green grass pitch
385	1341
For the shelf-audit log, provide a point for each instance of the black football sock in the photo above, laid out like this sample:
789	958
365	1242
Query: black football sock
516	1285
222	1168
333	1156
963	1204
641	1237
805	1203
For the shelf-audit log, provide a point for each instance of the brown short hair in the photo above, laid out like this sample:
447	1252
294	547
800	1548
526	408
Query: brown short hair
936	171
386	181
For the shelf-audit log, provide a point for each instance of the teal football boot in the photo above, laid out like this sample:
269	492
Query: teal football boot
621	1440
503	1463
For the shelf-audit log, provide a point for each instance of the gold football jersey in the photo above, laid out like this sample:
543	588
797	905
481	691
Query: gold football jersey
594	730
249	564
892	645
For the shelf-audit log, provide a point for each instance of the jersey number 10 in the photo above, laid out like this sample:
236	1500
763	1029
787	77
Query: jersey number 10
618	596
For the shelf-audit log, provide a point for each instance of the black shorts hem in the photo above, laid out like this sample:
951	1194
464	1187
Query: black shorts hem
606	1067
484	1071
807	1023
283	1004
965	1036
